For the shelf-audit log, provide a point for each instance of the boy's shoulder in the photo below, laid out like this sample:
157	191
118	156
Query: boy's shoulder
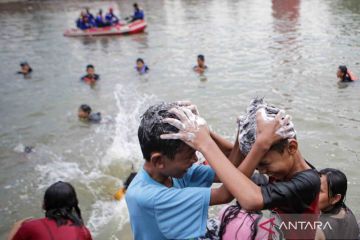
308	177
142	189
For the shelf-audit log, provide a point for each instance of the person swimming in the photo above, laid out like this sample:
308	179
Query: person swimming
26	70
121	192
91	77
345	75
141	67
84	114
200	67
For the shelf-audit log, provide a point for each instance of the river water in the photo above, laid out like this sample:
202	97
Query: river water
285	51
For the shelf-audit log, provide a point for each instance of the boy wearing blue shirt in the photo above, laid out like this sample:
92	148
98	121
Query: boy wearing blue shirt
169	197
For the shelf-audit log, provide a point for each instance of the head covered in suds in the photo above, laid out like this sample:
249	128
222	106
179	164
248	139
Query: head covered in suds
247	123
152	126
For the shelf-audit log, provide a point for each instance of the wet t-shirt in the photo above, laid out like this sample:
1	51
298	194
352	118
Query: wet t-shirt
179	212
340	228
293	196
95	117
295	199
90	78
347	78
46	229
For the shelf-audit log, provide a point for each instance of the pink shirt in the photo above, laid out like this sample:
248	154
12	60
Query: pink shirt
240	227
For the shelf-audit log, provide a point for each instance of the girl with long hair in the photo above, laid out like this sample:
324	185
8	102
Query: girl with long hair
62	219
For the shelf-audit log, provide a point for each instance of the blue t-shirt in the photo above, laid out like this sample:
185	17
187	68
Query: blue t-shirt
180	212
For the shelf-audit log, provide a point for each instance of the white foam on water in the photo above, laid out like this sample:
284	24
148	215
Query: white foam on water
125	147
107	216
19	148
106	212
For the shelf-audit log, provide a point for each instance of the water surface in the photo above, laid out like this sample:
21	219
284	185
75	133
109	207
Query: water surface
285	51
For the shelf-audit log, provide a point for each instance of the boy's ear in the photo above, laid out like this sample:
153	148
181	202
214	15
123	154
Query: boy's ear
293	146
157	160
335	199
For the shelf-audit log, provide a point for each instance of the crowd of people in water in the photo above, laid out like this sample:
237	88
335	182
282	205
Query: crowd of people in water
88	20
263	170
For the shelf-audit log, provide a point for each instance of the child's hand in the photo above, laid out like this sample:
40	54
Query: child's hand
271	130
188	104
193	129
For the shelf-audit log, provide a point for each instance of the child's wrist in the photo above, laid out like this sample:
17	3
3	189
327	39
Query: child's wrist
263	143
206	145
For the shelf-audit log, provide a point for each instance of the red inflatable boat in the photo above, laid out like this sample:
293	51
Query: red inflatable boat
131	28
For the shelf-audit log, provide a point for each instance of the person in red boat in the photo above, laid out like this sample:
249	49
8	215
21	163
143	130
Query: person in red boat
111	18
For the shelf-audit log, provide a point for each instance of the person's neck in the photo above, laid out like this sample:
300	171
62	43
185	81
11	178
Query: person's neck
299	165
160	178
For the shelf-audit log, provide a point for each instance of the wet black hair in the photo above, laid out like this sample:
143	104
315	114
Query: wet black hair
22	64
90	66
129	180
61	204
280	146
136	5
231	213
151	127
28	149
343	69
140	60
86	108
337	184
201	57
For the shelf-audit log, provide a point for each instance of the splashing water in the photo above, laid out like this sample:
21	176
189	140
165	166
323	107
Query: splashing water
98	177
125	147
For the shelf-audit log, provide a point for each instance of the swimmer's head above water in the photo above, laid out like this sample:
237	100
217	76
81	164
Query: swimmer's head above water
141	67
25	68
167	157
84	111
200	67
342	72
201	60
345	75
90	69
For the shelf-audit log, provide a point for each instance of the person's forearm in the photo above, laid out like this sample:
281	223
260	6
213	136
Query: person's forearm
252	160
235	156
220	196
224	145
247	193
